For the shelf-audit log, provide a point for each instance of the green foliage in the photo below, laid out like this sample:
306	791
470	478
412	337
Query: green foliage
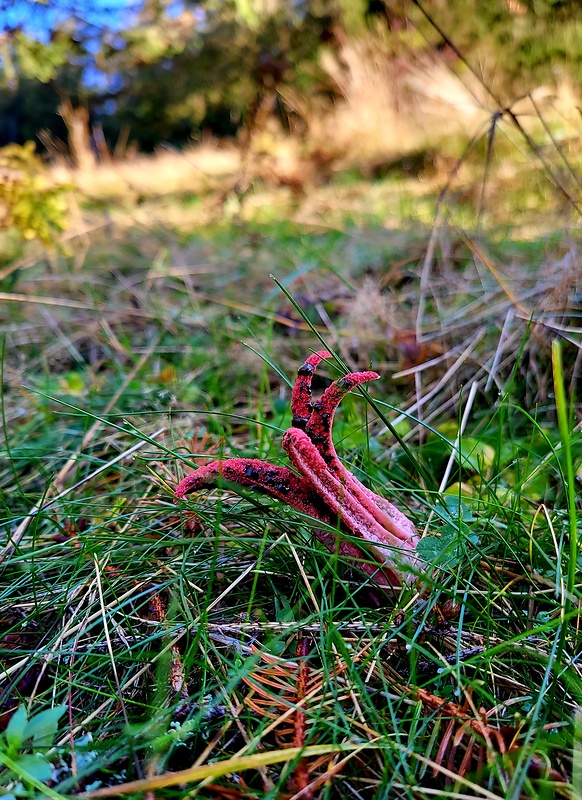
22	745
23	57
521	46
28	201
184	80
446	549
40	60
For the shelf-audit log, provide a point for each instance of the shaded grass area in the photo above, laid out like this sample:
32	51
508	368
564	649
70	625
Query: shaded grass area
181	635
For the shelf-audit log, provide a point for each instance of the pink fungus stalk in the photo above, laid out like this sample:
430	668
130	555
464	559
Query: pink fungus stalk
324	488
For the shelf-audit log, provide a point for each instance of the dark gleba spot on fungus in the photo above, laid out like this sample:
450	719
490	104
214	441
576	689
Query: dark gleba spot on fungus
306	369
252	473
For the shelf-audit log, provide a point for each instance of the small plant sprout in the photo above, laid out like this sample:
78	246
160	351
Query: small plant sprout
24	742
324	488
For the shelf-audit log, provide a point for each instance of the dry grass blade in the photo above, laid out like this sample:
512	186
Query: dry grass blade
11	297
231	765
16	537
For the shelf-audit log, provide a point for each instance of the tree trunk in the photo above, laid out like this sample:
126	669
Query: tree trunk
77	121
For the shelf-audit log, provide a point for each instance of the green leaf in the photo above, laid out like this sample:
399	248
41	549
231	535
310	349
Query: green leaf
43	726
36	766
15	729
457	509
475	455
445	550
284	610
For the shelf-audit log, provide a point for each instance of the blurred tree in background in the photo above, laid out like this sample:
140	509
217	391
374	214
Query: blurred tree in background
94	80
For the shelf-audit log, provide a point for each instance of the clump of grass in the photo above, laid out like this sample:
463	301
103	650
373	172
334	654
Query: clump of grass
168	172
102	546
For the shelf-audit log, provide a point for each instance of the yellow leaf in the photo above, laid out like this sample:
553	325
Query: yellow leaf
168	374
462	489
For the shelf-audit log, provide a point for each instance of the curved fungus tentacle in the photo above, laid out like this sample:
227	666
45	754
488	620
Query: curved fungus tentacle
301	394
320	421
322	487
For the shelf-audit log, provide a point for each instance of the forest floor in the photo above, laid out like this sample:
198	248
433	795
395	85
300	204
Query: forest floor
214	645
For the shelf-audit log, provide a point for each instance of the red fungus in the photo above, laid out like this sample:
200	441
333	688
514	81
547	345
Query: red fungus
324	488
